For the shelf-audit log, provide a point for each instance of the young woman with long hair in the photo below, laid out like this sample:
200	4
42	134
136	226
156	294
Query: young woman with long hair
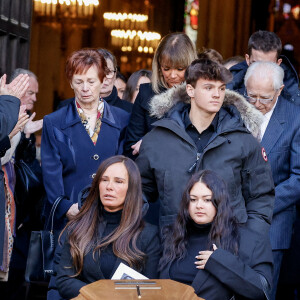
108	230
208	249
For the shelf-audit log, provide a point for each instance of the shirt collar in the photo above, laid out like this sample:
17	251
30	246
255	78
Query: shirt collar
187	121
268	115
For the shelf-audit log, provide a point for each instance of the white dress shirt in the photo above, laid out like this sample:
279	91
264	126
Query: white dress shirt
267	117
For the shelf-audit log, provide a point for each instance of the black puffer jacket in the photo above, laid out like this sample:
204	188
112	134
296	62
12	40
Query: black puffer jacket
291	81
140	120
168	157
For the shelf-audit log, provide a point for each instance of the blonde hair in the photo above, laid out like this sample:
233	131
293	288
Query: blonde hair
175	49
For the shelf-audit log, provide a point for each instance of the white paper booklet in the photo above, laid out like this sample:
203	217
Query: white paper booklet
125	272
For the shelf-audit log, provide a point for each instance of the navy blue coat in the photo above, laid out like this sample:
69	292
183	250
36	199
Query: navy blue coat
140	121
69	157
9	112
291	82
282	144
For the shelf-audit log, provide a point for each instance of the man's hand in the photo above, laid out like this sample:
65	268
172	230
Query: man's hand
22	120
73	211
16	88
32	126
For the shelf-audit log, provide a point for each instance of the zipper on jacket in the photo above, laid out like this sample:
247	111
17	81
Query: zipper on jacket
192	168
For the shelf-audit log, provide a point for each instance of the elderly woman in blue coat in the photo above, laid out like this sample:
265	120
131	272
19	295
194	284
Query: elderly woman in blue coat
78	137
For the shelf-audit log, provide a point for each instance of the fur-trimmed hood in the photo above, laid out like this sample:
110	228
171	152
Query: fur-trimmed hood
161	104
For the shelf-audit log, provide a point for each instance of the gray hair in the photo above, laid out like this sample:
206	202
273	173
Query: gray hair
19	71
264	69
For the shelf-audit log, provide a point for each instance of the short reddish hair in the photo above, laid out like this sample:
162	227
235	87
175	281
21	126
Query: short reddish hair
80	61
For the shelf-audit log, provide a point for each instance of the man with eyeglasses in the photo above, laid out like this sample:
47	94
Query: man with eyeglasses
266	46
280	138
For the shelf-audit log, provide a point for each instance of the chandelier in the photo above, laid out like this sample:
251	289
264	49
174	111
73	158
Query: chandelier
129	32
125	21
72	9
130	40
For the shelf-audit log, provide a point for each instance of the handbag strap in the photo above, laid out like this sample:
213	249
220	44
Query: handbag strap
52	212
266	286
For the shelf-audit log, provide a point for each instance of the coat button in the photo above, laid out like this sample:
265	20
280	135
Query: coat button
93	175
95	156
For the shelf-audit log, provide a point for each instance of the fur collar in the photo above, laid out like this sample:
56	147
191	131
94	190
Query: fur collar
162	103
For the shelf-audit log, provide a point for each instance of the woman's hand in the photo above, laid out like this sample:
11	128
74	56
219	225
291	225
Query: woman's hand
32	126
203	258
73	211
22	120
136	147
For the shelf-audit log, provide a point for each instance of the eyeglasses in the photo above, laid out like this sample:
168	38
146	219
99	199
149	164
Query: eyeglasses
110	74
253	99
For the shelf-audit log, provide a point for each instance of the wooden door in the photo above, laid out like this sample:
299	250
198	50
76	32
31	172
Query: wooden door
15	25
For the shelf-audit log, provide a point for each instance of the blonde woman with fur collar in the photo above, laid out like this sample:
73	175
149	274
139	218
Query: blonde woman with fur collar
173	55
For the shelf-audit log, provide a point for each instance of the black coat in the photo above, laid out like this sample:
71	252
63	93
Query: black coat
29	202
168	158
291	82
140	121
28	199
114	100
148	242
226	274
4	145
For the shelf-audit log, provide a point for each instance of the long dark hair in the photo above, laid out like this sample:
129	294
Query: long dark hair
223	232
83	235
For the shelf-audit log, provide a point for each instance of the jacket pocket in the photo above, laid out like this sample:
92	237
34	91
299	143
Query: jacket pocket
256	182
173	187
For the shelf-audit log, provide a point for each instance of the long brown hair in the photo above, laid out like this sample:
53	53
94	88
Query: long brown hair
82	230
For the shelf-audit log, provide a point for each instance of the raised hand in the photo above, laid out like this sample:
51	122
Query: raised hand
16	88
22	120
32	126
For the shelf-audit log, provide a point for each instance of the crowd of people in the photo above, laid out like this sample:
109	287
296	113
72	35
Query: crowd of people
188	172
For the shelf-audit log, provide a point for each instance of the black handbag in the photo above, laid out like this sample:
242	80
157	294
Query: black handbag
26	175
29	194
39	266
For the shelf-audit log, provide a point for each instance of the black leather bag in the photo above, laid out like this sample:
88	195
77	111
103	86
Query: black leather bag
29	194
39	266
